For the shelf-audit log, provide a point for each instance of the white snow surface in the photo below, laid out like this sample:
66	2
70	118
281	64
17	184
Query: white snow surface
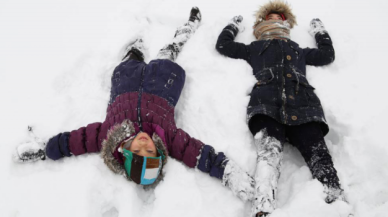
56	59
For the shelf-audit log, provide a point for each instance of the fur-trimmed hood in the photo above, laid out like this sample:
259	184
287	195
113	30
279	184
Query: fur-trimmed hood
278	6
109	149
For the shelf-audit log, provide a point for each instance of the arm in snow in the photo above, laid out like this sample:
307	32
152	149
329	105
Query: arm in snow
226	45
194	153
324	54
77	142
232	175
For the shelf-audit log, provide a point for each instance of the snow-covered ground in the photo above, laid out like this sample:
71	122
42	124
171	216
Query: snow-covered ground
56	58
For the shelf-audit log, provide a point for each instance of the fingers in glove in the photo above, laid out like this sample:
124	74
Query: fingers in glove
29	152
236	22
29	156
238	19
316	26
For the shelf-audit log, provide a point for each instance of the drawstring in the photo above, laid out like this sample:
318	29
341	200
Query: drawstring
297	80
273	76
139	99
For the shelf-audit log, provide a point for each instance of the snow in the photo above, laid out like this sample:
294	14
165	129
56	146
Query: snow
56	61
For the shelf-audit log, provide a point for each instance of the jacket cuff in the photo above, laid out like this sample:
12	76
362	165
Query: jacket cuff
233	29
212	162
323	38
58	146
64	144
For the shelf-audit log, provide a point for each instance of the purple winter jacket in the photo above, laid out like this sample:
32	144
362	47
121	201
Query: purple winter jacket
144	94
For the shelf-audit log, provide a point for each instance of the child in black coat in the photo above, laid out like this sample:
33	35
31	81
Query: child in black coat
283	106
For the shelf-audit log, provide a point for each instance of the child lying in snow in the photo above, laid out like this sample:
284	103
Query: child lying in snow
283	106
139	131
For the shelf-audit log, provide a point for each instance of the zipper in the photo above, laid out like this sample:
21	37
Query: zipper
139	99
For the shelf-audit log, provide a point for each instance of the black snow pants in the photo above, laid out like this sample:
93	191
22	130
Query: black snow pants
308	139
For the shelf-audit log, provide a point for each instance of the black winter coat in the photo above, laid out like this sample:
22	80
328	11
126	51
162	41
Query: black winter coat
282	91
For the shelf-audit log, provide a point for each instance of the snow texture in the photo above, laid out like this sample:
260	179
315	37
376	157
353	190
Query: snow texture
56	62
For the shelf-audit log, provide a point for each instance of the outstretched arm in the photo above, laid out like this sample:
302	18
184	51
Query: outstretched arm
226	45
84	140
77	142
325	52
196	154
232	175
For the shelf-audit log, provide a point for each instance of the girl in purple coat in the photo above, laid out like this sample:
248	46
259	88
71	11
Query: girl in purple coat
139	132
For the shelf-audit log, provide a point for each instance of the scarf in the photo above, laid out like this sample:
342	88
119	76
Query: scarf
272	29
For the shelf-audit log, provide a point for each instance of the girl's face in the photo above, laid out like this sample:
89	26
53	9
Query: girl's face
274	17
143	145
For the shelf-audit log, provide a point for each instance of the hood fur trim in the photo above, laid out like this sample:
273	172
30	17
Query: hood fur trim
275	6
117	134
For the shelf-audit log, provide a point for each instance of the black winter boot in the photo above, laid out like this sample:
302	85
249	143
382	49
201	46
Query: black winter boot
135	50
195	14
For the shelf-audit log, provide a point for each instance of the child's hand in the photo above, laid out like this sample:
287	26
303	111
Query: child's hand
30	151
316	26
236	22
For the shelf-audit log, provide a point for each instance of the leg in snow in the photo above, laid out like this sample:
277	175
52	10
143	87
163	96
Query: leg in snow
182	34
135	50
269	139
308	138
267	173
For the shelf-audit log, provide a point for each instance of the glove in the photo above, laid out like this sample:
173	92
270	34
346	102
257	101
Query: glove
239	181
236	23
30	151
316	26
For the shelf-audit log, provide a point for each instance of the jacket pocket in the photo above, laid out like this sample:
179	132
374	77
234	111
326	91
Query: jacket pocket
170	80
304	90
266	90
265	76
295	47
312	97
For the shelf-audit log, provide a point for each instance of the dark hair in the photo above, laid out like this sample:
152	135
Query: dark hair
275	12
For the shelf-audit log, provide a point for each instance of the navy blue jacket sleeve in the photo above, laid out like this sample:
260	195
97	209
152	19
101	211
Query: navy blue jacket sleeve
212	162
324	54
58	146
228	47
